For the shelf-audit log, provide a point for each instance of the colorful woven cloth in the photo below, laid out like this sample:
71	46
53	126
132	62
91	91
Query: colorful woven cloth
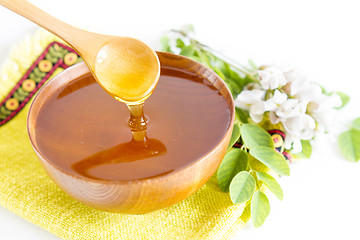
26	190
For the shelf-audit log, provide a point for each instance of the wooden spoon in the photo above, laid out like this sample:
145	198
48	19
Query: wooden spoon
125	67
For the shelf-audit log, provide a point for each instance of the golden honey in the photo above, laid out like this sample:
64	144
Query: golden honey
83	130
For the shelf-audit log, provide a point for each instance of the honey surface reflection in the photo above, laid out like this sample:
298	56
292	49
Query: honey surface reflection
83	130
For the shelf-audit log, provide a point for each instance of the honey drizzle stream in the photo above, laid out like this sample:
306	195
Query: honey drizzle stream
137	122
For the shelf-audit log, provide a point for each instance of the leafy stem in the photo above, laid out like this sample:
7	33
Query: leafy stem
252	160
245	167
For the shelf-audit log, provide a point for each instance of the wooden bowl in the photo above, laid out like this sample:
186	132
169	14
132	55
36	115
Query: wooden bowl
145	195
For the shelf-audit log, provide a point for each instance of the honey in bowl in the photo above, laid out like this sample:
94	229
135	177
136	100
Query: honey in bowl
85	131
82	137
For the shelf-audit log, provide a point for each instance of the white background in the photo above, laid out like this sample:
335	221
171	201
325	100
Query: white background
322	195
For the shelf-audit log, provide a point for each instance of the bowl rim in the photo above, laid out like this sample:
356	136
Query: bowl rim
84	70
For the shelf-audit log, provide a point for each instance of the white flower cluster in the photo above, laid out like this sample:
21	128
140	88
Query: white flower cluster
291	99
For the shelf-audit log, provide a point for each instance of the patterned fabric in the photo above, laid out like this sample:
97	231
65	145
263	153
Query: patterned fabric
26	190
278	137
56	56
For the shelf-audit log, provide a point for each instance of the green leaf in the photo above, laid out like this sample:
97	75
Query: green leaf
231	73
272	159
220	73
165	44
306	149
203	58
242	187
225	67
234	162
180	43
356	123
242	115
233	86
344	99
349	143
260	208
254	136
323	90
187	51
256	165
271	183
235	134
195	58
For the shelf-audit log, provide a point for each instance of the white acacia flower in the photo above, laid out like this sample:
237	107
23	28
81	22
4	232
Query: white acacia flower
294	101
324	112
273	104
271	78
296	81
275	101
325	102
252	100
309	93
289	109
273	118
301	127
249	97
257	111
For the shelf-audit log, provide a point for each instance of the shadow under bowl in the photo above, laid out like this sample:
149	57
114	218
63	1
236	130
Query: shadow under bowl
144	195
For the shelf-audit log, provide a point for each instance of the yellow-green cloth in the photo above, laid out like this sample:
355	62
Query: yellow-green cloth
26	190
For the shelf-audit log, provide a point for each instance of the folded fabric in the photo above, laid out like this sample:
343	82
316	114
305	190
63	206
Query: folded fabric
26	190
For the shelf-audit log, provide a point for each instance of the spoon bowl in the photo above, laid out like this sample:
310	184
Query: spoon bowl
127	69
